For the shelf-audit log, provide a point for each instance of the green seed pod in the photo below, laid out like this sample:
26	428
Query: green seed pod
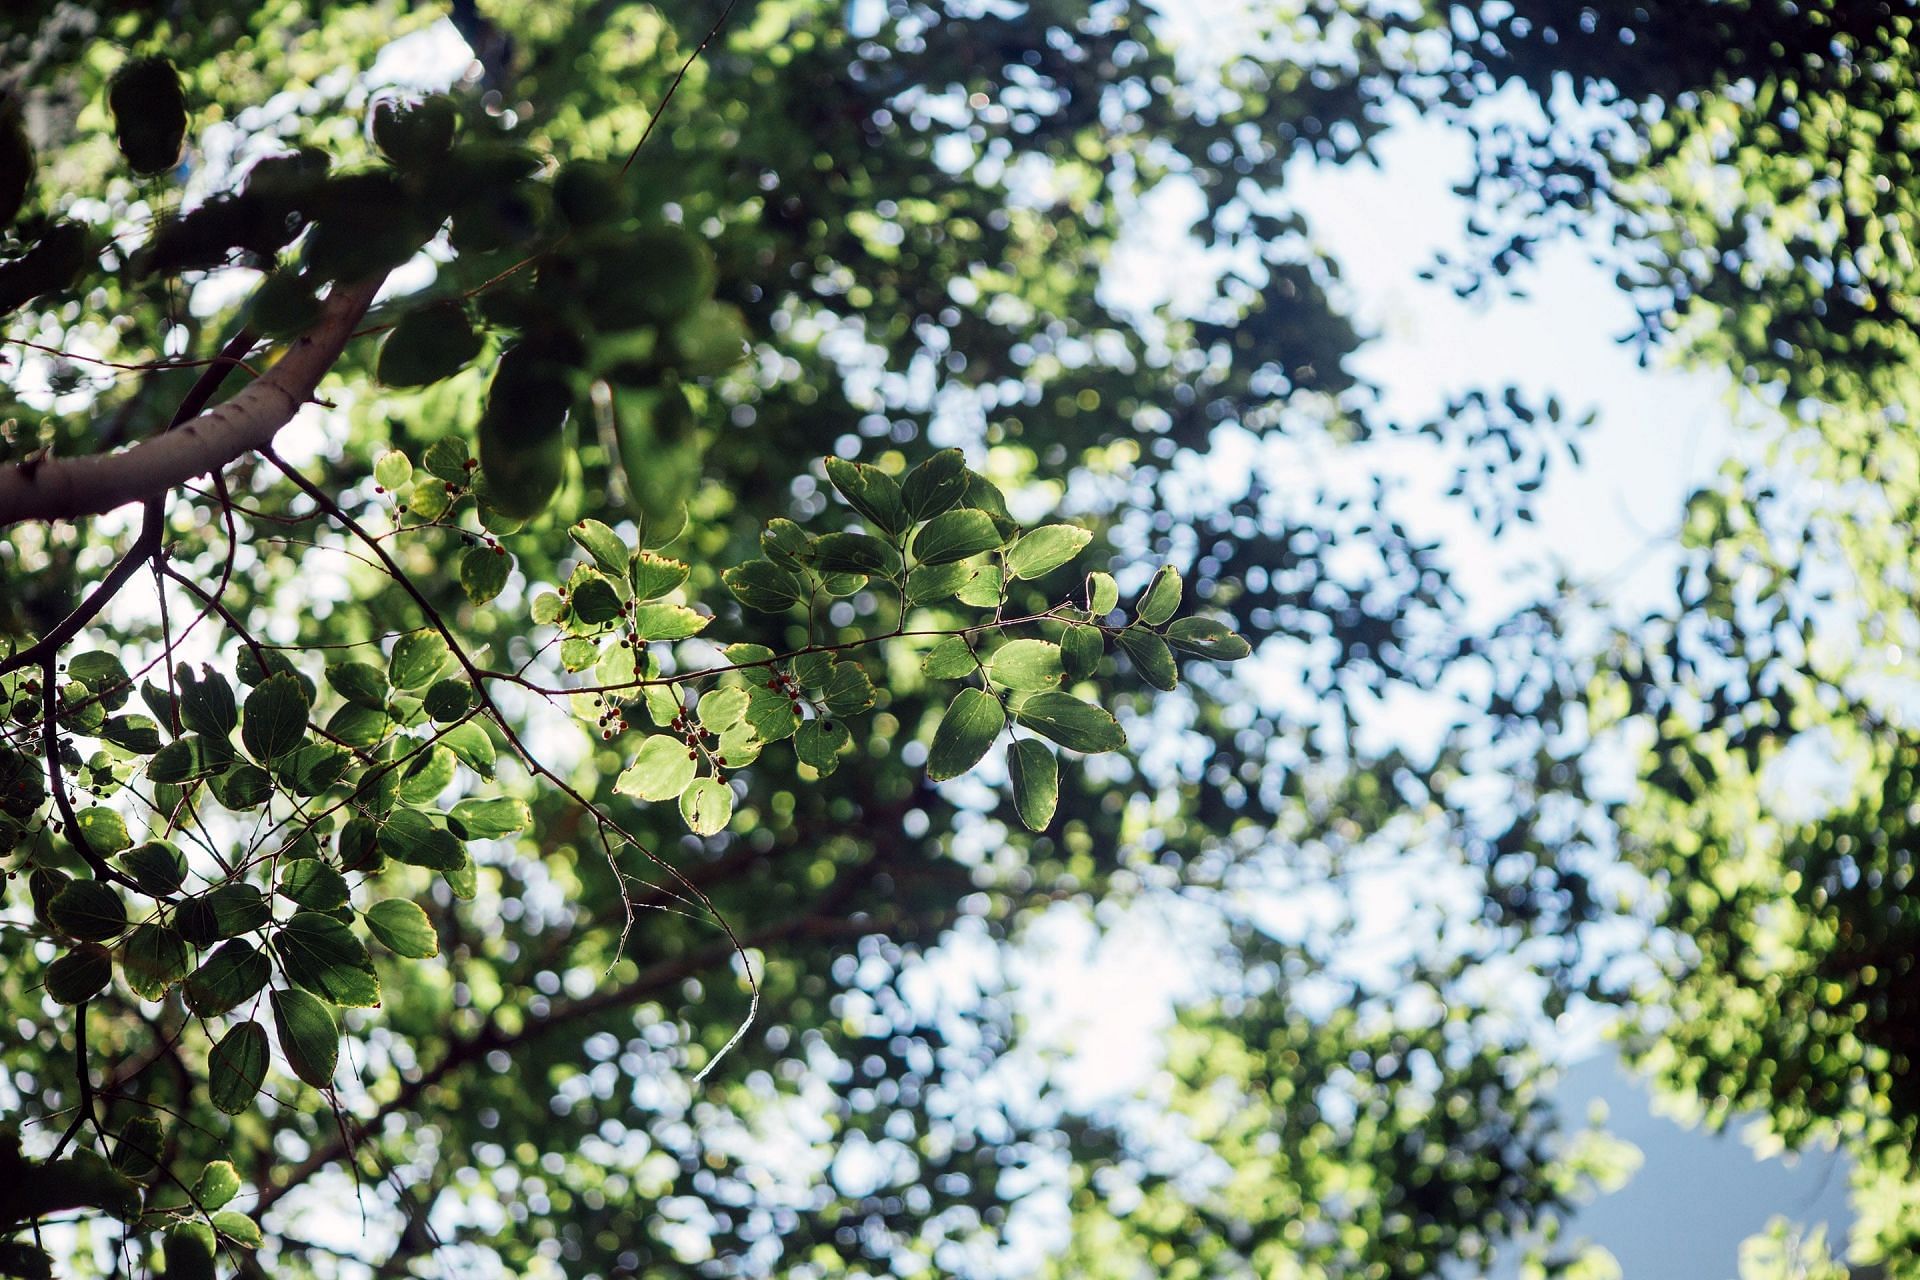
589	193
149	114
284	305
16	164
413	135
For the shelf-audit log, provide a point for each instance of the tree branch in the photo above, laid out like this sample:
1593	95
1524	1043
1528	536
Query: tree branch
67	488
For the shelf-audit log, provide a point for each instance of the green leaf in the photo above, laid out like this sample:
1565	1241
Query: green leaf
856	553
668	622
206	704
447	460
720	709
1077	725
483	573
322	955
950	659
428	502
426	775
1081	649
707	806
935	484
1035	778
136	1149
738	747
712	338
1103	594
248	786
470	742
232	975
80	974
158	868
105	830
955	536
662	770
1045	549
189	759
448	700
608	549
102	675
763	585
237	1228
547	608
871	492
403	928
393	470
786	544
1207	638
309	771
219	1183
429	343
770	715
814	669
419	658
276	718
984	495
1026	664
187	1248
842	585
1151	657
409	837
463	881
492	818
309	1037
359	726
1161	597
849	690
225	911
236	1069
930	583
973	720
577	653
138	734
984	589
89	911
313	884
654	576
820	742
358	847
153	957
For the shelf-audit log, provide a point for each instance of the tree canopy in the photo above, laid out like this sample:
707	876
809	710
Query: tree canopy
563	628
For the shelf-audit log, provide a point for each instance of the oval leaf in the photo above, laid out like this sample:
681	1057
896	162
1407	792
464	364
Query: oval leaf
236	1069
973	720
707	806
955	536
1046	549
662	770
403	928
322	955
309	1037
1076	725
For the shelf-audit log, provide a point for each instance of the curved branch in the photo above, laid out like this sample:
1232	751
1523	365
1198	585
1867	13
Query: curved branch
66	488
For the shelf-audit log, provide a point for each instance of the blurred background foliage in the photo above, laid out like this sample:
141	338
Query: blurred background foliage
912	208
